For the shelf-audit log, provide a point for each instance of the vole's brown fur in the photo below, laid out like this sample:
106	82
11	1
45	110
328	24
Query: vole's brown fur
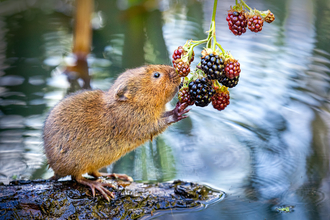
92	129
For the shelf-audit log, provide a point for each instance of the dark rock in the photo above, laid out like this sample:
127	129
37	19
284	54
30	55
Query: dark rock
41	199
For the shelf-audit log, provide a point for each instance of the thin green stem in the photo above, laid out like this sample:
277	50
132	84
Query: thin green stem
222	50
209	37
214	9
214	36
235	2
208	45
217	83
245	5
196	43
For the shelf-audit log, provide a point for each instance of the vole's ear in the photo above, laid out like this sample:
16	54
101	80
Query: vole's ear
123	93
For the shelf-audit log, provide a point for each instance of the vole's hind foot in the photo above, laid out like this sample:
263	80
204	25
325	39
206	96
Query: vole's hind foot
118	176
100	186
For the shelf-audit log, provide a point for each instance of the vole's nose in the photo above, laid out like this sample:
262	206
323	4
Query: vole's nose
176	78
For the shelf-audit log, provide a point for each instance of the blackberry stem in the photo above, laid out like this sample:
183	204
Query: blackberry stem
191	44
214	36
218	84
222	50
212	26
262	13
214	10
209	37
245	5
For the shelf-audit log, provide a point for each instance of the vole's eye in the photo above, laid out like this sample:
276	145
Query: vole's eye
156	74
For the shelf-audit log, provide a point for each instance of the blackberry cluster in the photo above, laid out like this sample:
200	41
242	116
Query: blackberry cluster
201	91
255	23
237	22
184	96
220	100
230	83
213	66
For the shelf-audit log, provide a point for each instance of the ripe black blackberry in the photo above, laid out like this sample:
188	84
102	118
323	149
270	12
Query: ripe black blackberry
201	91
221	99
237	22
185	97
230	83
213	66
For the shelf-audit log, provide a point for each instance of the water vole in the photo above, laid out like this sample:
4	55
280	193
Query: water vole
92	129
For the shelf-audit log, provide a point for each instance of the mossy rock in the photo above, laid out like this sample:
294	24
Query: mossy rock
45	199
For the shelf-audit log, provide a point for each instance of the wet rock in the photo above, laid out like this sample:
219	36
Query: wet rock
41	199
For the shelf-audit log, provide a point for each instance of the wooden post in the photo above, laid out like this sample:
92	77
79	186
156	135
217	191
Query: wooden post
81	44
83	27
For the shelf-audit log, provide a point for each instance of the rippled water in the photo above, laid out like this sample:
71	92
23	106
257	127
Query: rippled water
269	148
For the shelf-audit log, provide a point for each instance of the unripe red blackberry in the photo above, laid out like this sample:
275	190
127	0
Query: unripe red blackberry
182	68
213	66
237	22
201	91
232	68
177	53
230	83
220	100
184	96
255	23
270	17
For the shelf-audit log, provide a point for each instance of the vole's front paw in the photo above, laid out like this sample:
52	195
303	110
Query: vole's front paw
178	113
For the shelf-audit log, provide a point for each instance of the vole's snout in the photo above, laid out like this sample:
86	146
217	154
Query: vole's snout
174	76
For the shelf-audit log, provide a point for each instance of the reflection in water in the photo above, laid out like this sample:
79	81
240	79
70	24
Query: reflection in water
269	148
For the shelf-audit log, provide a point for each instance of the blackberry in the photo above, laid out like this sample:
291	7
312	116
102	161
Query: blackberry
232	68
213	66
182	68
201	91
229	82
177	53
237	22
221	99
255	23
270	17
185	97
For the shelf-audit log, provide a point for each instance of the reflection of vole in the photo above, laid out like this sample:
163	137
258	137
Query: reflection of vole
92	129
